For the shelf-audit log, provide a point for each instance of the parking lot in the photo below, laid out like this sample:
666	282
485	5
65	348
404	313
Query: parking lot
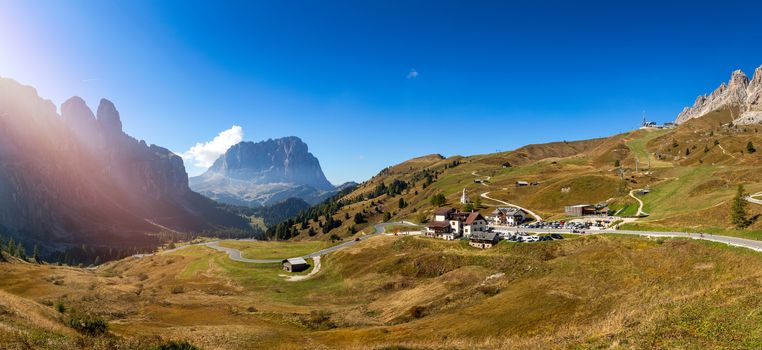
525	237
574	225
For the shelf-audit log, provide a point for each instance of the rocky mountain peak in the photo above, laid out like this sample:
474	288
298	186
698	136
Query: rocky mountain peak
256	173
738	80
75	111
740	93
108	116
62	182
283	160
756	81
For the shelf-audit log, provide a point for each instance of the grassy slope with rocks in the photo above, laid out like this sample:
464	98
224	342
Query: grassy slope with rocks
692	170
602	291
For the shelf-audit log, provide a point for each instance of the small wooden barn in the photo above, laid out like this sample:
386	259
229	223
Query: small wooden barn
295	264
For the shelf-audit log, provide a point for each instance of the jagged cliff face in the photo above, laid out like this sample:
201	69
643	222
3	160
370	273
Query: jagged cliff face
739	94
78	178
151	170
265	173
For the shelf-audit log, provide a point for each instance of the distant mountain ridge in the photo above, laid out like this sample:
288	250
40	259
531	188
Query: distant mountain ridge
79	179
740	94
265	173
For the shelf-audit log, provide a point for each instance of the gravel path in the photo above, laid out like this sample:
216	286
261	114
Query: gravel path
640	206
536	217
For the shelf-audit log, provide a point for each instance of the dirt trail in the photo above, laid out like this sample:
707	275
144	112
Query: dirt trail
536	217
726	153
751	198
640	206
485	177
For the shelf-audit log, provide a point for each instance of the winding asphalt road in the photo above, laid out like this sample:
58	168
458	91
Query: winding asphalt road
733	241
235	254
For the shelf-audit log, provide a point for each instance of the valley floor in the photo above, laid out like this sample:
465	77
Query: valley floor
593	291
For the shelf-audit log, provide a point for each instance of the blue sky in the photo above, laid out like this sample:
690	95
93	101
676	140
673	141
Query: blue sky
490	75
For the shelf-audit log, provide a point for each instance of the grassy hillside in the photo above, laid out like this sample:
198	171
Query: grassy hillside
693	171
394	292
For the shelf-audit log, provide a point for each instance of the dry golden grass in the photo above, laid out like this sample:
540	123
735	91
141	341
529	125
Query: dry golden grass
591	292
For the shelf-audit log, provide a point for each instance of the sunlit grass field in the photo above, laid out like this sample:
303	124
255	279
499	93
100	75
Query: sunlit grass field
275	249
582	292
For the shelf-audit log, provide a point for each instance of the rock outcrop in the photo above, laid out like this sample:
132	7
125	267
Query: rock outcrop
79	179
740	94
263	173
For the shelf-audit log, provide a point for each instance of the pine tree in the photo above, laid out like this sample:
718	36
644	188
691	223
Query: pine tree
738	210
402	203
617	163
438	200
20	251
750	148
35	253
11	247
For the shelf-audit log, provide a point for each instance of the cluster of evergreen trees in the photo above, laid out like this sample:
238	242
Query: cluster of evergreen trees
427	176
13	248
393	189
452	164
290	227
270	214
286	228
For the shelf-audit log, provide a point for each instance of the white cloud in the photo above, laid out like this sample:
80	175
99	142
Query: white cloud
412	74
203	155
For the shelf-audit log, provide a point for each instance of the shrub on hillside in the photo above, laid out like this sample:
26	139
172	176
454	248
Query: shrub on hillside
319	320
60	306
89	324
359	218
176	345
417	311
489	290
